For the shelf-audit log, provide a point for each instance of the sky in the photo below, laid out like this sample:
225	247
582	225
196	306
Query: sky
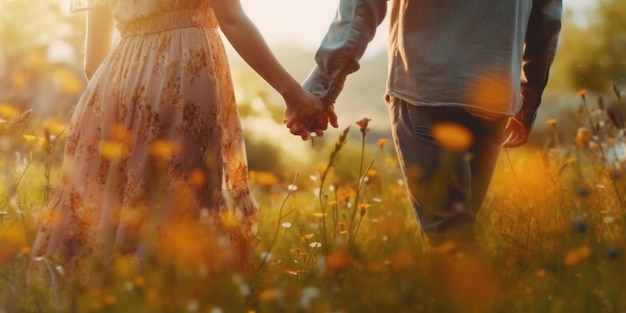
305	21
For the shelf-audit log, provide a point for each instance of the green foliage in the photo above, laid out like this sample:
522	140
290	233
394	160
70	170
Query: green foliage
551	229
263	156
40	56
551	233
591	56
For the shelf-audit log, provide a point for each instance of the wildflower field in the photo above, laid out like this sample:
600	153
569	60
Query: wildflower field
339	236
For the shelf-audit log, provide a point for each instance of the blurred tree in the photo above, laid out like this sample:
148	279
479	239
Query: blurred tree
40	66
593	55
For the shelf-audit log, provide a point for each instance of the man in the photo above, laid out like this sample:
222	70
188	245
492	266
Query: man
478	65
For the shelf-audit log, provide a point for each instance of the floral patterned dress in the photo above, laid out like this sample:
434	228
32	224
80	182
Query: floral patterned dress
155	138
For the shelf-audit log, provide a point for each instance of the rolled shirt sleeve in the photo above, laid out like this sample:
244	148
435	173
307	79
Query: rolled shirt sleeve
345	42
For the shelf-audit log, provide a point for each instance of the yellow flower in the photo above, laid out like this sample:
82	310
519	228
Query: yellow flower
230	220
381	143
164	148
363	124
113	150
37	140
401	261
575	256
344	195
371	172
583	136
468	283
54	128
8	111
139	281
321	169
110	299
610	140
452	136
338	261
267	295
552	122
264	178
68	82
541	273
581	93
124	267
25	250
197	178
363	208
19	79
319	214
121	134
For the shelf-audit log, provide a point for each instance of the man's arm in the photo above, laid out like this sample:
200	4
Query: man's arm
544	26
353	27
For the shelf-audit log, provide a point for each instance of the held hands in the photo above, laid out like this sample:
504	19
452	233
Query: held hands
306	114
517	134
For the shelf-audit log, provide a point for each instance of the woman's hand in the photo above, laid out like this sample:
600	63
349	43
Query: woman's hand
306	114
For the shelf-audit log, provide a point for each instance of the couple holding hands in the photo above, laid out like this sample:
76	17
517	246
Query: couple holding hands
163	96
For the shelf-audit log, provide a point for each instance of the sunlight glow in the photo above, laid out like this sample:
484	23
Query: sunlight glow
304	22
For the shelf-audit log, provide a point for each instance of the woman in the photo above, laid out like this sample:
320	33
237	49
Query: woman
155	141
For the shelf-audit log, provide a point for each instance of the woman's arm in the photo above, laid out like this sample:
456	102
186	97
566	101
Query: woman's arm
250	45
99	38
302	106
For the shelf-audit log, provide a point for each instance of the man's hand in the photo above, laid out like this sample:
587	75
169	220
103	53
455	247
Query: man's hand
330	115
517	134
308	114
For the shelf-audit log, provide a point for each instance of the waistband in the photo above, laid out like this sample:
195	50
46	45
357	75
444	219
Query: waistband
157	23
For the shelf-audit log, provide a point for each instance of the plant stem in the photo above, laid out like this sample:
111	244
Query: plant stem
276	231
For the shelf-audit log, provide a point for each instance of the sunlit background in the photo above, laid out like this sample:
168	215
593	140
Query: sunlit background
552	223
41	51
305	21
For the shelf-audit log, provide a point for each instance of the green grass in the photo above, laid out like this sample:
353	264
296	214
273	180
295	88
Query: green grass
551	231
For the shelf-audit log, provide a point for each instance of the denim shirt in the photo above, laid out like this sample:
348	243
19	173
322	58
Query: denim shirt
489	56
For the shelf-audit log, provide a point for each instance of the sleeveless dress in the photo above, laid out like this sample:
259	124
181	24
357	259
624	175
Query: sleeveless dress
154	140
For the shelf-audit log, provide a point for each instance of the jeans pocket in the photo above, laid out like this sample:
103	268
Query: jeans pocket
420	118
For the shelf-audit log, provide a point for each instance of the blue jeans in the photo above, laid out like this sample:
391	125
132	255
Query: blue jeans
446	187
